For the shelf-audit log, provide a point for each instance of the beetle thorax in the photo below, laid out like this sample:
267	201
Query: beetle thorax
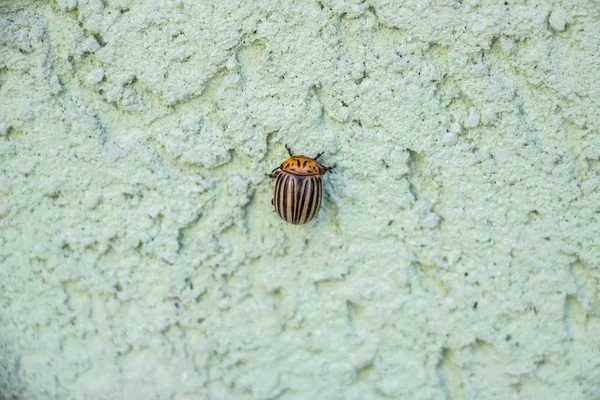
301	165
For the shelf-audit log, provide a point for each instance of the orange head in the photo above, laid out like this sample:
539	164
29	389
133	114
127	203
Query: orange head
301	165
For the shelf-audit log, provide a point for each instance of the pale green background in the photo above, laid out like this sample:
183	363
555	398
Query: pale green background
456	255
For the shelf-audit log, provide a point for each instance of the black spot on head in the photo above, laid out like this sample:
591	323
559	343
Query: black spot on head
304	163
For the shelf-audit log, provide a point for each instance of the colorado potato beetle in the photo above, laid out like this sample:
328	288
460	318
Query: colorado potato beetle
298	188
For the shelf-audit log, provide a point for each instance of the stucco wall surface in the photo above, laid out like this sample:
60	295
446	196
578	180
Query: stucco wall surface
456	255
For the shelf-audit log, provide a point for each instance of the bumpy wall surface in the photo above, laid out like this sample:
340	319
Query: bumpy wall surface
457	253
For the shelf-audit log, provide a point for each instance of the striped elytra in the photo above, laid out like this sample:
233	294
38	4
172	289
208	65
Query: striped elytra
298	188
297	199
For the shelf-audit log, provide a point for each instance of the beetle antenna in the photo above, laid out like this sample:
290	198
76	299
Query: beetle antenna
289	150
318	155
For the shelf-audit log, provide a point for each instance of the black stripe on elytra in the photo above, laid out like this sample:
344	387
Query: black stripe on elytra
301	199
310	196
279	196
280	199
276	194
309	204
292	192
320	197
310	187
310	201
317	204
313	202
285	197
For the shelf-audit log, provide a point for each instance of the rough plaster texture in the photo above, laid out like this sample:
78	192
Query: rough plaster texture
456	255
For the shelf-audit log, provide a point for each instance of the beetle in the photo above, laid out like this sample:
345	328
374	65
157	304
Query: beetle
298	188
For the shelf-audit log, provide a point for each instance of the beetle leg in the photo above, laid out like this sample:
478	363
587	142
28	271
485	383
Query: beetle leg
274	174
327	169
318	155
289	150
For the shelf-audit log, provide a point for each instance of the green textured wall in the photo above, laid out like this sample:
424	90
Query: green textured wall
457	253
